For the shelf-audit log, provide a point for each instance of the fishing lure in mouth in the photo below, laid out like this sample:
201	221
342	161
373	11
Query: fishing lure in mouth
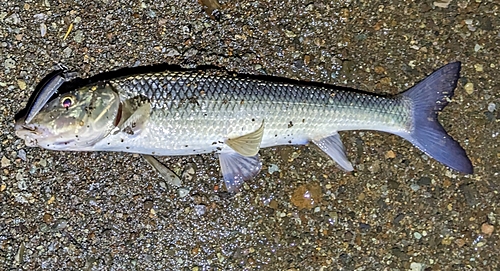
166	113
48	89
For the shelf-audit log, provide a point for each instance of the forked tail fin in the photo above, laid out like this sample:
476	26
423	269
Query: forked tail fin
428	98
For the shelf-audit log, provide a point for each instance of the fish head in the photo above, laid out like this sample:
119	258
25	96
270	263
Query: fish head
73	121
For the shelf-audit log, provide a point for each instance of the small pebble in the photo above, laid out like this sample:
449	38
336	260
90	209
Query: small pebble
40	16
61	224
478	67
307	196
487	229
13	19
492	218
273	168
424	181
492	107
5	162
200	209
183	192
379	70
460	242
290	34
417	235
21	84
191	52
9	63
148	204
19	176
173	52
22	185
43	30
67	52
415	187
47	218
469	88
477	47
20	253
78	37
416	266
189	173
43	162
390	154
21	154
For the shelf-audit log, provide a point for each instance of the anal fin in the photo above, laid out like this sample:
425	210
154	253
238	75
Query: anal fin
332	145
237	168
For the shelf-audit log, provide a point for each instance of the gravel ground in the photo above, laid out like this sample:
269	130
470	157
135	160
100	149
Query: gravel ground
400	210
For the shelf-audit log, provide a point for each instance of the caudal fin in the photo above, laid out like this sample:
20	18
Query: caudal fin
428	98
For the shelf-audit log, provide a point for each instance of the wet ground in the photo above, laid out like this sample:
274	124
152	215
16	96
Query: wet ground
400	210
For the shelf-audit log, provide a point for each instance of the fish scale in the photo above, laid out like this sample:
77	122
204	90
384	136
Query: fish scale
230	106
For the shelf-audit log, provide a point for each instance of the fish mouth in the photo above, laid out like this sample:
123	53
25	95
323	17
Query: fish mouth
29	128
22	127
29	132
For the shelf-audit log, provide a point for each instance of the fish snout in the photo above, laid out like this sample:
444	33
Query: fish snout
22	126
28	132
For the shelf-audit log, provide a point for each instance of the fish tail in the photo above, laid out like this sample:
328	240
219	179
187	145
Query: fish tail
427	99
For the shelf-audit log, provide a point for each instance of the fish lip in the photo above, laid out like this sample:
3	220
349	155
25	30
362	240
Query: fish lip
21	126
29	128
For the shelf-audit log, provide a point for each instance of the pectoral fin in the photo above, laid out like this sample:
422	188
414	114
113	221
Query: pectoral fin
237	168
137	121
332	145
167	174
249	144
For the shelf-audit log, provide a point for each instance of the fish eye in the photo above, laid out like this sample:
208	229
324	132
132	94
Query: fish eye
67	101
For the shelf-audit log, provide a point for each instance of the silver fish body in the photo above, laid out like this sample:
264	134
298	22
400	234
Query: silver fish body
193	112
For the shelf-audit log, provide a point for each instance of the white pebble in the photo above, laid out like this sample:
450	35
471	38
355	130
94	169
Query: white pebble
67	52
40	16
477	47
9	63
273	168
416	266
183	192
43	29
492	107
415	187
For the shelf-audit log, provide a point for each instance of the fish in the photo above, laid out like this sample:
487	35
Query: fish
197	111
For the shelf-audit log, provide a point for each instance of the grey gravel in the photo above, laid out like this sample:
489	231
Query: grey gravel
86	211
415	187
